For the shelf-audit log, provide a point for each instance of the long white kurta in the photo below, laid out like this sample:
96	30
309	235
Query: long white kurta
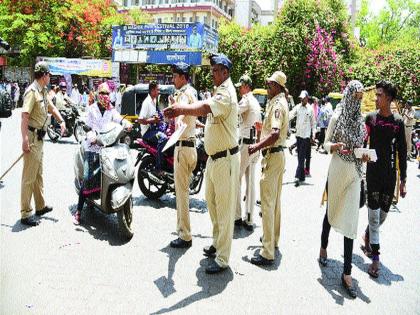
343	190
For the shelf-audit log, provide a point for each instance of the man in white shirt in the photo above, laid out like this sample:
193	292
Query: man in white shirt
149	119
305	131
249	116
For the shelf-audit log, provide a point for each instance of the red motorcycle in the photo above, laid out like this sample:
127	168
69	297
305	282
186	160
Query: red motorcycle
154	186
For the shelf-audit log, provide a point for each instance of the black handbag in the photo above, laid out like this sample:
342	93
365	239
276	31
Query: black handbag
362	194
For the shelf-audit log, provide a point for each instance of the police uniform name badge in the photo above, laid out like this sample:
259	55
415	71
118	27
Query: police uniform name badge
175	137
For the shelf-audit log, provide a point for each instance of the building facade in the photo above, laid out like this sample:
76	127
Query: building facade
247	12
170	11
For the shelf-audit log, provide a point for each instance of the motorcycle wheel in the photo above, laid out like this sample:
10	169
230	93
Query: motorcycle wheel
125	219
79	132
148	187
52	134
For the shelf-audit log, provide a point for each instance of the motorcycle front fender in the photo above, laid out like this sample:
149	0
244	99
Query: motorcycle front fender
120	195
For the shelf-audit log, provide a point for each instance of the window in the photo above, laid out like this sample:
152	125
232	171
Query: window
191	19
125	3
159	20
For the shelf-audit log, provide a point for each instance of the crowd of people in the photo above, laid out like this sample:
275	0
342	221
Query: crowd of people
234	135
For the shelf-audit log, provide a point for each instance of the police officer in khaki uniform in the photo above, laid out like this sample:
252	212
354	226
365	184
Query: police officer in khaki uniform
409	122
222	169
185	155
273	141
36	106
249	116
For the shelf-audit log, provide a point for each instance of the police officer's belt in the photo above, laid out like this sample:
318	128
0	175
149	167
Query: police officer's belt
183	143
32	129
272	150
222	154
246	141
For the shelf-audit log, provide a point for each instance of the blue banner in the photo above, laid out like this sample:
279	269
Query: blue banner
171	57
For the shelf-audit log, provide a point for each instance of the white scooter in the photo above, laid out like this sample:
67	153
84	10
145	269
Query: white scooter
117	177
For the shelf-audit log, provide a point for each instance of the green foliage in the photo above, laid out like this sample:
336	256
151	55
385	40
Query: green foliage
399	64
283	45
65	28
397	22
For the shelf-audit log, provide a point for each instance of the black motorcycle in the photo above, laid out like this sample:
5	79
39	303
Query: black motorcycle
74	125
154	186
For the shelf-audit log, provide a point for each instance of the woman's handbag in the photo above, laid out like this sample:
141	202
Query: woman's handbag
362	194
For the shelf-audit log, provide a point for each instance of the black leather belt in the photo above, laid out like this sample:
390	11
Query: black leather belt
246	141
32	129
272	150
222	154
185	143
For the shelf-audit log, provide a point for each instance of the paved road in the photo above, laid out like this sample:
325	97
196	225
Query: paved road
57	268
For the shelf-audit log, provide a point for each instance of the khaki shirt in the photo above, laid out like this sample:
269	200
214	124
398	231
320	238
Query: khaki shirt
37	104
186	95
277	117
249	114
408	116
221	131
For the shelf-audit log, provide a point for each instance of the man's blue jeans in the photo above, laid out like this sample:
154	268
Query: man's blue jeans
159	139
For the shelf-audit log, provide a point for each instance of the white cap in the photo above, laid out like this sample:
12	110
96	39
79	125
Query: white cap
303	94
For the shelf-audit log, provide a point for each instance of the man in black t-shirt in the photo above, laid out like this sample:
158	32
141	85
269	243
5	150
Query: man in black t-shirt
386	135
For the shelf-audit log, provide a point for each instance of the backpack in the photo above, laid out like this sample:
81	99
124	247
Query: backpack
6	104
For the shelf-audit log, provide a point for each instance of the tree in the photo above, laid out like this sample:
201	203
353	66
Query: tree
65	28
398	21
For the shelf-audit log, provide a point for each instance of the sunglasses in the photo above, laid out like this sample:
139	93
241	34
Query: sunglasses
103	93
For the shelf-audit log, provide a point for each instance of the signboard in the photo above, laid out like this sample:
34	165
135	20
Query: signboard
161	78
87	67
175	36
172	57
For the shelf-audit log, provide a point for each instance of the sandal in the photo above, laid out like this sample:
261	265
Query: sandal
373	271
323	260
351	291
366	251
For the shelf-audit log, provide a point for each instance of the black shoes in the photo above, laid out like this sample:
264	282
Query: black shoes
180	243
261	261
238	222
43	211
29	221
213	268
351	291
209	251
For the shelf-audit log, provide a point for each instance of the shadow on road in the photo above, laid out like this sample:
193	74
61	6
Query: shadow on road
331	281
101	226
166	284
277	260
241	232
211	285
169	201
386	276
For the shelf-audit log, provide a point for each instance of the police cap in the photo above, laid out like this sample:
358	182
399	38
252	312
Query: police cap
221	59
41	67
244	80
181	68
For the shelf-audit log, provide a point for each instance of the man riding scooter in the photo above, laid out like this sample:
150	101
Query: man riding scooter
151	130
99	115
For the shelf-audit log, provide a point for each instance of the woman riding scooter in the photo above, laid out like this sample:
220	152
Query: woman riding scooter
99	114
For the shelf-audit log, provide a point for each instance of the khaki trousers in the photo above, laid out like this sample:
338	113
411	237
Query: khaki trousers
270	188
408	131
247	168
185	160
32	181
221	193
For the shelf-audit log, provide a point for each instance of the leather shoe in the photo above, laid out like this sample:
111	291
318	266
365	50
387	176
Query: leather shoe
43	211
349	289
209	251
180	243
248	227
261	261
213	268
238	222
29	221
